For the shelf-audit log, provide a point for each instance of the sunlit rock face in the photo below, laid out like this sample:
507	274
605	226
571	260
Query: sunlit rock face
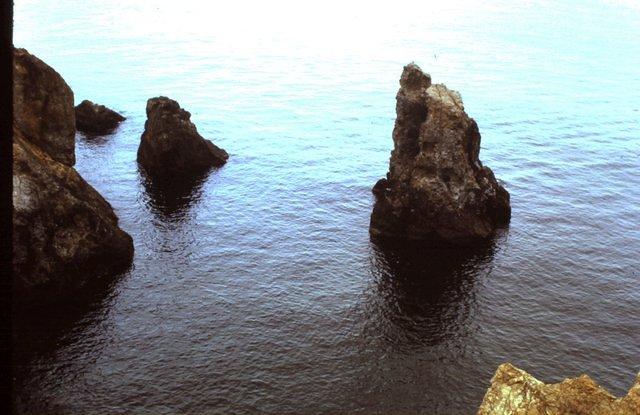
171	144
64	232
515	392
436	190
43	107
95	119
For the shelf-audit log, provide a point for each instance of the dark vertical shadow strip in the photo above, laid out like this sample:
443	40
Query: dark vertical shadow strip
6	205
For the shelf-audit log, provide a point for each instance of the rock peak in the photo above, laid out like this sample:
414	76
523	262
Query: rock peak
414	79
165	105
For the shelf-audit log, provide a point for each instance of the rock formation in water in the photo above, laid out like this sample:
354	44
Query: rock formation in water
64	232
436	190
43	107
96	119
171	145
515	392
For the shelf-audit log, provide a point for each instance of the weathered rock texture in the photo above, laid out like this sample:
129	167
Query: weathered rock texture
515	392
96	119
436	190
43	107
64	232
171	145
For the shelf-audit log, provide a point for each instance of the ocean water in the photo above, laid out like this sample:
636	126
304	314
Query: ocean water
257	289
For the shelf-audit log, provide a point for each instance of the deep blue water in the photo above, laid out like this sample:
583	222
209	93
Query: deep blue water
258	290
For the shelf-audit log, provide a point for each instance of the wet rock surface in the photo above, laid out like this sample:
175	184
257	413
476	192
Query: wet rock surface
64	232
436	190
515	392
95	119
171	144
43	107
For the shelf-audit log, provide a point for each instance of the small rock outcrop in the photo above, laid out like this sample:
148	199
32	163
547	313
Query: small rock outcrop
171	145
436	190
64	232
515	392
94	119
43	107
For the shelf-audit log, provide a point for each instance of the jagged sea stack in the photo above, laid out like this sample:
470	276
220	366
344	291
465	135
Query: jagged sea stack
171	145
64	232
95	119
436	190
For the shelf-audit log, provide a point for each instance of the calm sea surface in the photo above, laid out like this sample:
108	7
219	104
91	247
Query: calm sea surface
257	289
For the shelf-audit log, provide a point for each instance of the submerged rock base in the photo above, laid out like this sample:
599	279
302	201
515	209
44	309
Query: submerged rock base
436	190
515	392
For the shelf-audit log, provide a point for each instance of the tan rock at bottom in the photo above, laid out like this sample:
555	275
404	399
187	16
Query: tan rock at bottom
515	392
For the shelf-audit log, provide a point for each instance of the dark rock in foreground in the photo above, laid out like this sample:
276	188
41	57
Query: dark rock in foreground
64	232
171	145
43	107
436	190
96	119
515	392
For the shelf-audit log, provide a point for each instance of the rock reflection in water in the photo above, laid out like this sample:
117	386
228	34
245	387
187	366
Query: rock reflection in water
422	297
60	321
170	198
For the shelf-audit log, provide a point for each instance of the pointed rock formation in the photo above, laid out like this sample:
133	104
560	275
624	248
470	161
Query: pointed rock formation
515	392
171	145
96	119
436	190
64	232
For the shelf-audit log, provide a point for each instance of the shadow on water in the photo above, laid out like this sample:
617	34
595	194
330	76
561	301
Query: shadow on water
423	297
42	327
171	198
